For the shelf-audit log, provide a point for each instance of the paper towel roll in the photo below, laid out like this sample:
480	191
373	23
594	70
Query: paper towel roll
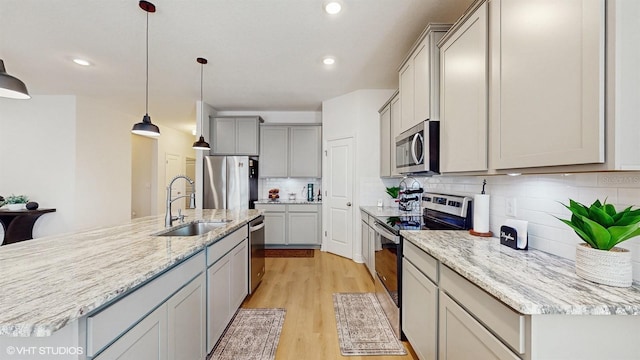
481	213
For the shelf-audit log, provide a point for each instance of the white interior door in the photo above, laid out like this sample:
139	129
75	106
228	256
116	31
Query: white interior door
339	238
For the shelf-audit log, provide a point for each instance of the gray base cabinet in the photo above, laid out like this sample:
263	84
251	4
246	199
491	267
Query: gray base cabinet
290	151
145	341
368	238
420	311
186	314
227	282
462	337
293	224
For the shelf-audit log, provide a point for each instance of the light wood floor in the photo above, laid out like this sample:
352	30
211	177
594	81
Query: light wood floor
304	287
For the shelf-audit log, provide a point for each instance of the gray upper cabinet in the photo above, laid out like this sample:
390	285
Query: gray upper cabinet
235	135
274	149
291	151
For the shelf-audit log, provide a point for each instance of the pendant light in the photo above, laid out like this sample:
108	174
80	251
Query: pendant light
12	87
146	128
201	144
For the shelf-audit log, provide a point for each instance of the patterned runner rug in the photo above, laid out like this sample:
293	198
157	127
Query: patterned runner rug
252	334
363	329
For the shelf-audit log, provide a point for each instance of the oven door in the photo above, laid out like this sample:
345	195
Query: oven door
387	253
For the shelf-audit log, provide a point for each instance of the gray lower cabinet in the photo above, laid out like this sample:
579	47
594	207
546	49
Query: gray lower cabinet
235	135
293	224
227	282
145	341
364	228
186	312
462	337
290	151
368	238
420	311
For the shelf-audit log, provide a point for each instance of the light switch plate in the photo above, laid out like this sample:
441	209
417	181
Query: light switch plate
510	207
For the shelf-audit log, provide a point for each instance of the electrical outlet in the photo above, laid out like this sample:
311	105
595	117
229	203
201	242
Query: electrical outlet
510	206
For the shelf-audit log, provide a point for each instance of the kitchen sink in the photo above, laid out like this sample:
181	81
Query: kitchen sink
194	228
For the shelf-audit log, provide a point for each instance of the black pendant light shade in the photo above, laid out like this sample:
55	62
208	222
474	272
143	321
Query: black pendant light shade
11	87
146	128
201	144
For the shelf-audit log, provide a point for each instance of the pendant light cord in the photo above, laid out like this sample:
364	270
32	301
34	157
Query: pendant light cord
201	101
146	110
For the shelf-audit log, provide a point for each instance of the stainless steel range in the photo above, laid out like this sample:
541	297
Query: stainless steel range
439	212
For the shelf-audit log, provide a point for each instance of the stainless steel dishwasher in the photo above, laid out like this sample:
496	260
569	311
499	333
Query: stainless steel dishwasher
256	255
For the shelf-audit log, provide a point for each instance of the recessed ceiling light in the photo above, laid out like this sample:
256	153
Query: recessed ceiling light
332	7
329	60
82	62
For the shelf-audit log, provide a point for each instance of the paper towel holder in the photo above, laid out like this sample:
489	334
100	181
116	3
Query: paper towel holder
481	234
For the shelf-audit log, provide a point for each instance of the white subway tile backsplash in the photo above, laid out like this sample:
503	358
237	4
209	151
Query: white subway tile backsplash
539	197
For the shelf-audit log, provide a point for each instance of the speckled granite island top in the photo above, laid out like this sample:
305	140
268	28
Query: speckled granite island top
531	282
48	282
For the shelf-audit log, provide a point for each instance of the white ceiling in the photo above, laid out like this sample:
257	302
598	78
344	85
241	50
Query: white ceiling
263	54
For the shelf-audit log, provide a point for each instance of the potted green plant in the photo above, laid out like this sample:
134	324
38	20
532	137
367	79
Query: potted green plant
601	227
16	202
394	192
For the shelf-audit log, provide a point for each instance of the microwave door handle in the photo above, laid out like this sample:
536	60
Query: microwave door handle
413	149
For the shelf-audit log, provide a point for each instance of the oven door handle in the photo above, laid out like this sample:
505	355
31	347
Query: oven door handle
413	149
380	229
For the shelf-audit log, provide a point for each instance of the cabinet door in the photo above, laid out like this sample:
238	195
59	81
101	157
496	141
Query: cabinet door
372	251
548	84
421	82
463	337
274	147
304	151
385	142
395	131
406	96
274	228
364	237
247	136
463	110
239	274
218	300
303	228
145	341
186	317
223	133
419	311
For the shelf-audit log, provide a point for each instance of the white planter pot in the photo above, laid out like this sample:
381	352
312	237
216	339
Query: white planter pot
15	206
611	267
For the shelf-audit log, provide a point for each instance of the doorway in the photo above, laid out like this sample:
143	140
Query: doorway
143	176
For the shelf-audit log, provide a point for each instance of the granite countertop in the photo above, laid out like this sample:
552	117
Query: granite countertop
51	281
388	211
285	202
531	282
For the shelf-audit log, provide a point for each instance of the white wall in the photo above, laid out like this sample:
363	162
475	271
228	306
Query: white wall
206	110
37	157
103	163
285	117
356	115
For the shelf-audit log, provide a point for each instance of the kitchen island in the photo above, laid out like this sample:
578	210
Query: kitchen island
53	284
518	304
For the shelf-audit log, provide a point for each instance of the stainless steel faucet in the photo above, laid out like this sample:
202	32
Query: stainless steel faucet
168	219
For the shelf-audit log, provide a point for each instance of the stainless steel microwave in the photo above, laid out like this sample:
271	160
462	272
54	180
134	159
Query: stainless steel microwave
418	149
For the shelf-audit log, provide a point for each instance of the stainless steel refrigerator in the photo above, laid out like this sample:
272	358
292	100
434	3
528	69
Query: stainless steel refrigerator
230	182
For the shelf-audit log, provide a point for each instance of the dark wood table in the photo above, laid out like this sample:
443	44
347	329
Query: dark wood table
18	224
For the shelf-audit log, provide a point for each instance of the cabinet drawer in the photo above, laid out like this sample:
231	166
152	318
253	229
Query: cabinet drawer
303	208
424	262
224	245
501	319
463	337
108	324
271	208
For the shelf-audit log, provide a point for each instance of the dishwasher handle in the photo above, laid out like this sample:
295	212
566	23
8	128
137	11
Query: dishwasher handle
256	228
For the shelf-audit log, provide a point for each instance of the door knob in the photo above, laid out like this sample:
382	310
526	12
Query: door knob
349	204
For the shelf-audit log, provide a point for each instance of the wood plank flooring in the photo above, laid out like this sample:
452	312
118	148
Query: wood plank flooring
304	287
